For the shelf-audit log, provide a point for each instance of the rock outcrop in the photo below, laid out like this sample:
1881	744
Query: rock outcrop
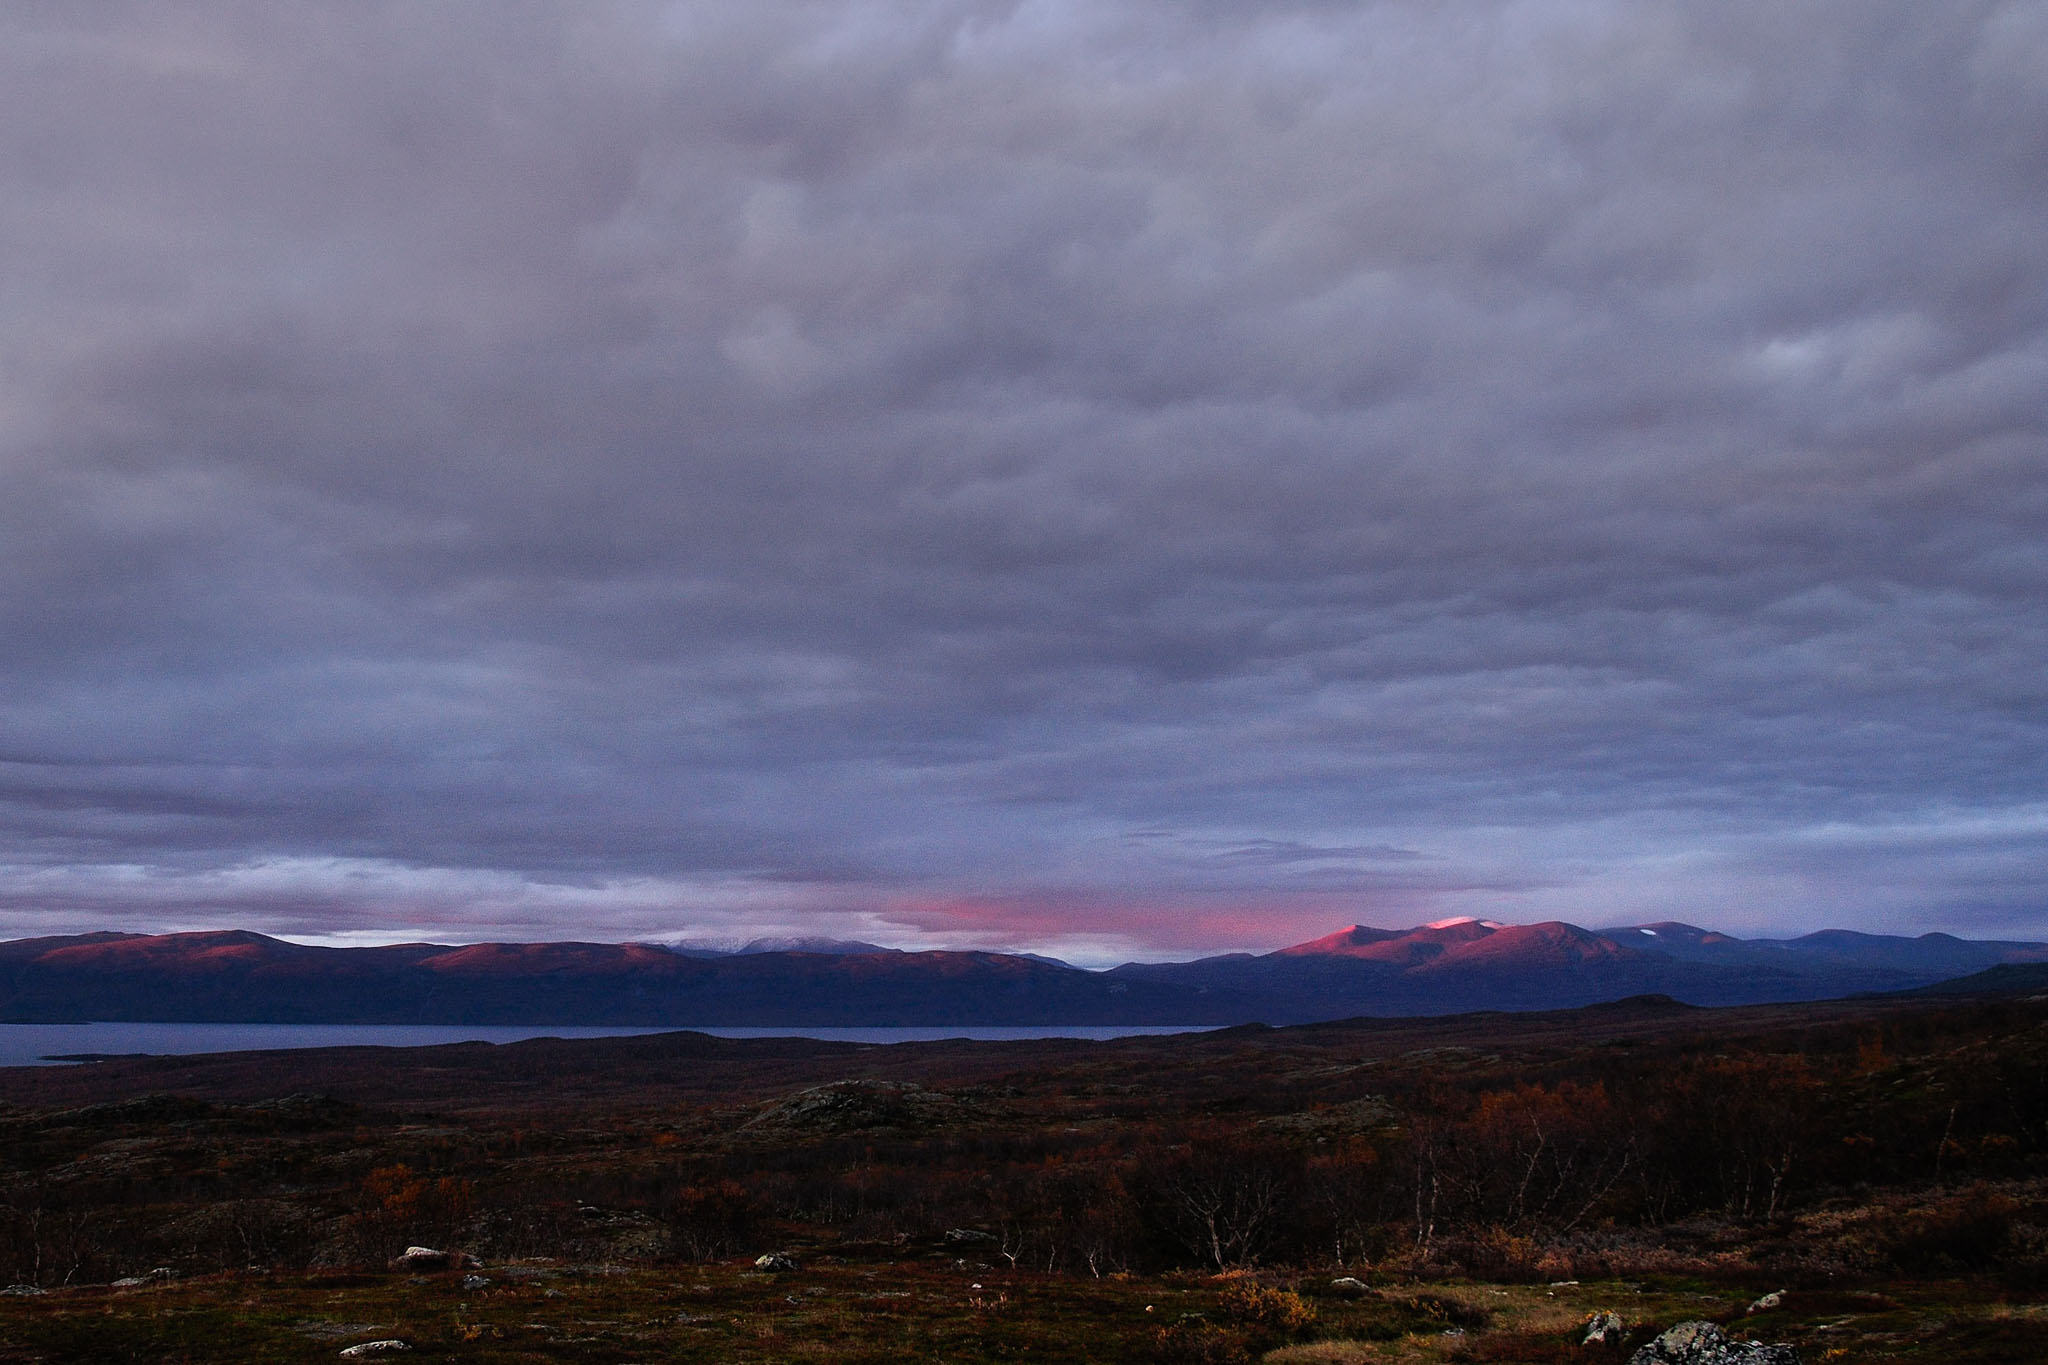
1349	1119
855	1106
427	1260
967	1236
1602	1328
1702	1343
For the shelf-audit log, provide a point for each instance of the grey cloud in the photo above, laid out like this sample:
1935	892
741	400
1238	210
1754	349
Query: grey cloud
882	454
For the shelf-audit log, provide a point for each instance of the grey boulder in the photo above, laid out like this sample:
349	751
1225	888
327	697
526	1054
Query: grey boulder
1602	1328
1702	1343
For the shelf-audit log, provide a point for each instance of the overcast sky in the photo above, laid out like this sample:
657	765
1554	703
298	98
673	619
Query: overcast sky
1109	477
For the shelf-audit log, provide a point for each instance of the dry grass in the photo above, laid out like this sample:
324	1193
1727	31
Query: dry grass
867	1314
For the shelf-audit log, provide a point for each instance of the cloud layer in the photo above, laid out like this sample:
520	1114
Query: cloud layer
1113	477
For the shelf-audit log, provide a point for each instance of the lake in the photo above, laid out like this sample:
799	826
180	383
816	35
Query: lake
40	1044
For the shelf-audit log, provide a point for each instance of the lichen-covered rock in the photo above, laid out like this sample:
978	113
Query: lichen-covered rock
388	1346
1702	1343
774	1263
1348	1284
1602	1328
425	1260
1774	1299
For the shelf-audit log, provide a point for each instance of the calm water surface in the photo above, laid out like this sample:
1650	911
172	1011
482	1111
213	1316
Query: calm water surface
41	1044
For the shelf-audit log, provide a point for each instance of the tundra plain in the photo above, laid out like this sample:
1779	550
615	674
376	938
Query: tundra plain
1486	1182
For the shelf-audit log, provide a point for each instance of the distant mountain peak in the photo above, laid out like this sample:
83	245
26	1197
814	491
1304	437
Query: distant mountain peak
813	943
1461	962
1548	946
1346	941
783	943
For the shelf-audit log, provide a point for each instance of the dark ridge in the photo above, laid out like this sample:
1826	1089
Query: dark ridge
2008	978
1652	1003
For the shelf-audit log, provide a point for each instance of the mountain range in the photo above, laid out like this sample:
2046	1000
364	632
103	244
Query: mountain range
1447	967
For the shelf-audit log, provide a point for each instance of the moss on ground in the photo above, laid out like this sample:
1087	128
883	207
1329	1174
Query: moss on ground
849	1314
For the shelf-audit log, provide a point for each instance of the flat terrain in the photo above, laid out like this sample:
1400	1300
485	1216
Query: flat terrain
1490	1180
862	1314
1255	1065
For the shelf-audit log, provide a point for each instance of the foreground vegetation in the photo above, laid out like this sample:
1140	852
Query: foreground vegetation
1485	1184
853	1312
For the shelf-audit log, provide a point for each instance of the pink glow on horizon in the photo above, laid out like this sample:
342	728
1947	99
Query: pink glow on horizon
1081	925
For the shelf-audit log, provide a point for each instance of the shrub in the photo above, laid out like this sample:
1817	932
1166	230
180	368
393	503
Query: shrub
1194	1341
717	1218
1969	1234
1267	1315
